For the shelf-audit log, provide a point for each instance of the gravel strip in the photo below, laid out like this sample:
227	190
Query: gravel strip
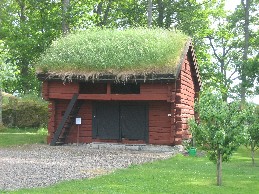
31	166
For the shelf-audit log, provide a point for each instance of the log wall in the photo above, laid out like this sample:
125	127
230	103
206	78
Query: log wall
85	129
159	123
184	102
149	91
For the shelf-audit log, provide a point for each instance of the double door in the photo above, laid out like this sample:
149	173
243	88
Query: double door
117	120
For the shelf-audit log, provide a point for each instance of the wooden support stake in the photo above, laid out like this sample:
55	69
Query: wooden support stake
77	135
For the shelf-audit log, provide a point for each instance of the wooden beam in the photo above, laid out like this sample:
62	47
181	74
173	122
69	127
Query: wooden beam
109	88
111	96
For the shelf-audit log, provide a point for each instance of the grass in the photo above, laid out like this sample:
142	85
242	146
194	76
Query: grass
105	51
15	136
180	174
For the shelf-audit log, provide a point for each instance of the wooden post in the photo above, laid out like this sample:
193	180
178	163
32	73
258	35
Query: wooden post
108	88
77	135
78	122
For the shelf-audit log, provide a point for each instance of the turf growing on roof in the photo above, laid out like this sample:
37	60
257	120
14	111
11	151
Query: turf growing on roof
119	52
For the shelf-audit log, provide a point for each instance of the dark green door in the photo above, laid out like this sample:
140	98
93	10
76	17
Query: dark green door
106	121
113	120
133	122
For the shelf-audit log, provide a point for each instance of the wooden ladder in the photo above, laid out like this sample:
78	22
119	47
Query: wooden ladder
67	121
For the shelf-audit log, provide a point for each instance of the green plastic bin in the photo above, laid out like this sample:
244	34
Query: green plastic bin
192	151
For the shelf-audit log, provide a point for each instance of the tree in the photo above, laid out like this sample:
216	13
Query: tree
27	27
220	39
244	24
7	73
252	128
219	130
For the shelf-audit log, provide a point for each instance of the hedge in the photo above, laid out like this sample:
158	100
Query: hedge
24	112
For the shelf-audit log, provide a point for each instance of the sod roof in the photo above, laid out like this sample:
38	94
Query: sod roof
121	53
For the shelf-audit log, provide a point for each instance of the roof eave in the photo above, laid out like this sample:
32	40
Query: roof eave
108	78
189	49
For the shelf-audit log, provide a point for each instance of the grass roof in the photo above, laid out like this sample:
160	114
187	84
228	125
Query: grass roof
96	52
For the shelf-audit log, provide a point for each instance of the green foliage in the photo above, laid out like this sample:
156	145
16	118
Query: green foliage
42	131
25	112
252	127
178	174
220	128
131	51
27	28
252	124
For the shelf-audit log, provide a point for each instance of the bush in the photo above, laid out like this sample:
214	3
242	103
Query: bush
25	112
2	127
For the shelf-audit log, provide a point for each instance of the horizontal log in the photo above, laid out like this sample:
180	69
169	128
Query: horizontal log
159	136
73	139
178	141
160	142
160	129
111	96
85	133
157	123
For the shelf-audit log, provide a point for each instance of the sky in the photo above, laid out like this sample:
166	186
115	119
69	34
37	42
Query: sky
231	4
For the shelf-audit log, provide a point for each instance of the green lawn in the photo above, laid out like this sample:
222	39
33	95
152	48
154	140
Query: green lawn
180	174
14	136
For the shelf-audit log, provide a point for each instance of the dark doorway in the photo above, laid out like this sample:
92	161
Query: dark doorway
133	122
106	121
114	120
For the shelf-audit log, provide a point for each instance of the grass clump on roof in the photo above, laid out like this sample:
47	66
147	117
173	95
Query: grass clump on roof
120	52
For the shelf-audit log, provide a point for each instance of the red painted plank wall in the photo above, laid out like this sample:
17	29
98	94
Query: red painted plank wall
58	108
63	88
52	119
45	90
159	122
85	129
154	88
58	88
184	106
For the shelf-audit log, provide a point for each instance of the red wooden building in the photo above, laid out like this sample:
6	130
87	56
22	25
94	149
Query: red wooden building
150	109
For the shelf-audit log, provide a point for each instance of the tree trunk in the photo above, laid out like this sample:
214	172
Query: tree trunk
23	64
246	7
65	23
106	13
253	153
219	168
25	77
160	13
1	107
98	12
21	3
149	14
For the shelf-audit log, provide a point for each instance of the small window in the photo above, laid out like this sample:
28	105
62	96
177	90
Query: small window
127	88
92	88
